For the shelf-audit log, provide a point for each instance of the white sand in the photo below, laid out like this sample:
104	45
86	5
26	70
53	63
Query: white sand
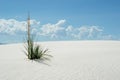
72	60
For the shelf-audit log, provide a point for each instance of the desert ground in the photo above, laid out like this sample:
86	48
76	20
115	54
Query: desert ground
72	60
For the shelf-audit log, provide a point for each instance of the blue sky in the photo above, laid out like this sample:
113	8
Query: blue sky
89	19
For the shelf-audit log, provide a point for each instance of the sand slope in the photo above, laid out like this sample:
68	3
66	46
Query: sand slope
72	60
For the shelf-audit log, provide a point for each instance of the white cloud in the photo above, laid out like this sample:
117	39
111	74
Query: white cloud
12	26
69	29
84	32
105	37
53	31
93	30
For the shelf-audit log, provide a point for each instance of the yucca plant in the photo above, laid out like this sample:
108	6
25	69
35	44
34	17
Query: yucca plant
34	51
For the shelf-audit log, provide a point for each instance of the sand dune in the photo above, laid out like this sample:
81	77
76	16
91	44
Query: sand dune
72	60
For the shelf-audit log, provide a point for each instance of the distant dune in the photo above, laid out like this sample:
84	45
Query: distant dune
72	60
2	43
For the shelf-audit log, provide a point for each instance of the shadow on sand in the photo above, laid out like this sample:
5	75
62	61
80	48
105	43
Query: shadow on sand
44	60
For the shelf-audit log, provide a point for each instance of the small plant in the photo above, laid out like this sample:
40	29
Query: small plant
34	51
